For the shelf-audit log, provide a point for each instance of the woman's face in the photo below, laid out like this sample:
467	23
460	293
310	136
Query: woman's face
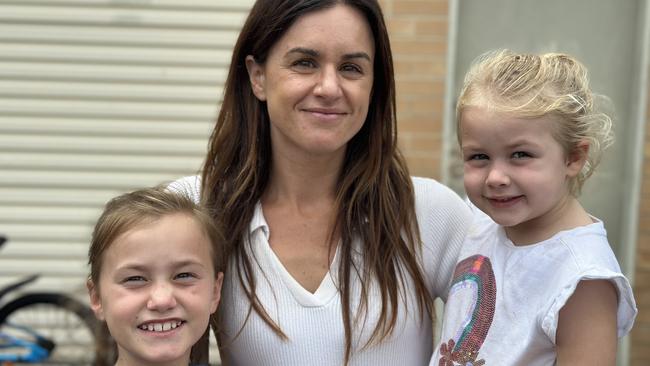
317	82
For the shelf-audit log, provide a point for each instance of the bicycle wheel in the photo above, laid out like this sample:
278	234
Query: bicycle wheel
68	323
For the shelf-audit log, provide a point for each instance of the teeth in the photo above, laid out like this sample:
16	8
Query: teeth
160	327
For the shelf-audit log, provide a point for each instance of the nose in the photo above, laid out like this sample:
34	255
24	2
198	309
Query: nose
497	176
161	297
328	83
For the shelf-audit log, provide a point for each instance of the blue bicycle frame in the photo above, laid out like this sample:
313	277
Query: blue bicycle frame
13	349
30	351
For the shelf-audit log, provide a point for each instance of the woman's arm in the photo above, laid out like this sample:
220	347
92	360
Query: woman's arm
586	333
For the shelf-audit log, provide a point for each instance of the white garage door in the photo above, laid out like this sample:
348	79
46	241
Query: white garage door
98	97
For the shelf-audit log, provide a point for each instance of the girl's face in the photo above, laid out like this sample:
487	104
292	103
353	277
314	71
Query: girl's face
156	291
317	82
515	170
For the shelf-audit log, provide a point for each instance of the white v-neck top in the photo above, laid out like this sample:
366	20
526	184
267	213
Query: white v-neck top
327	289
313	321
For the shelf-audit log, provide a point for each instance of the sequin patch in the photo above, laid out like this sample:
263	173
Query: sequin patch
474	274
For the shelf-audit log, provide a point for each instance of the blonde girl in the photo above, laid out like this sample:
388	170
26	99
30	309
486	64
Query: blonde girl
537	282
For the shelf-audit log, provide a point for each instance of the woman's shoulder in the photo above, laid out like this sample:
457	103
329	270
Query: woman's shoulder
190	186
443	219
431	194
438	208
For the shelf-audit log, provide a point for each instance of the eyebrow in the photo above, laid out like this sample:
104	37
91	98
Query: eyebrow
522	143
143	268
515	145
314	53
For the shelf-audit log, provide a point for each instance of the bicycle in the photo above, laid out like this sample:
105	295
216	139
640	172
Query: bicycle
49	328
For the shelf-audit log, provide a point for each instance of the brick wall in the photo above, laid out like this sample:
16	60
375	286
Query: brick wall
640	340
418	31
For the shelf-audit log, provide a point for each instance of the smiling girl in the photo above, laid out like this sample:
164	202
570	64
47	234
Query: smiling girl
156	273
537	282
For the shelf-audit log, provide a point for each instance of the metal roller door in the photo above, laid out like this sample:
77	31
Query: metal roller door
98	97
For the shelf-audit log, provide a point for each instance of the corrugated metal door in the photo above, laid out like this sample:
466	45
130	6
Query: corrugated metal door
98	97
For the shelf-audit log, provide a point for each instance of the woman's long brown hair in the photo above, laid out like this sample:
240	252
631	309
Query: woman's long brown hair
374	197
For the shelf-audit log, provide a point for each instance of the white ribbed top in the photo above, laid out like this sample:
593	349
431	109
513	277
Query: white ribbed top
313	321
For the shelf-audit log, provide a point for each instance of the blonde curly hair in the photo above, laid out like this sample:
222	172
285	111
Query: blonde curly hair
534	86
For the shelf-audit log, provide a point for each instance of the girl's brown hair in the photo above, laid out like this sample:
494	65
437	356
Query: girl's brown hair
374	197
129	210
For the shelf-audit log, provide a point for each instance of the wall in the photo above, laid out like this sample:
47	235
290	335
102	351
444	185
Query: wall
97	98
418	31
640	339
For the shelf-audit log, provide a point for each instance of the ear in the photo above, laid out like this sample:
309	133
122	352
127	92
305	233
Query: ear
216	294
577	158
256	77
95	300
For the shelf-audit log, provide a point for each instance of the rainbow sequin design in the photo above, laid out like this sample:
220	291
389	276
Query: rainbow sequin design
472	275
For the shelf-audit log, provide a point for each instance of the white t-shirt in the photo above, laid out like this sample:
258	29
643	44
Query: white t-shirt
313	321
504	301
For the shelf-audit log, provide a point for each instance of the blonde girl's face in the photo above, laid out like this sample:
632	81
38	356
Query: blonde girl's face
514	169
156	291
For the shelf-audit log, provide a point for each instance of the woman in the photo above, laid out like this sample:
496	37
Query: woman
335	252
